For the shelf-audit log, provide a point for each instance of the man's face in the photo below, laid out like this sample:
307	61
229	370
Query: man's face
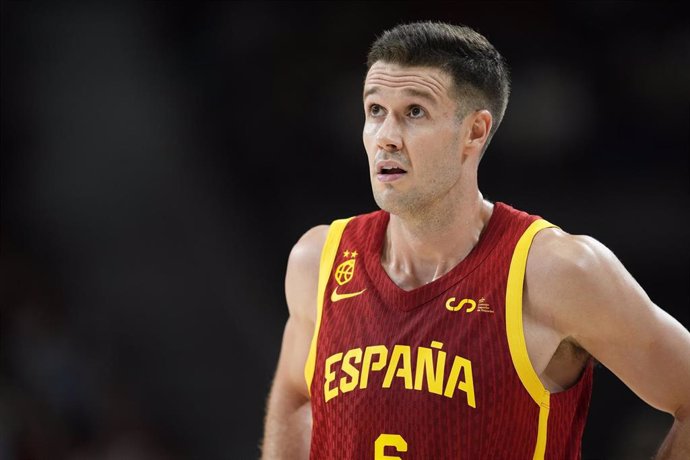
411	135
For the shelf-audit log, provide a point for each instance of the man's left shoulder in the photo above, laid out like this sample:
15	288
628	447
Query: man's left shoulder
570	275
556	254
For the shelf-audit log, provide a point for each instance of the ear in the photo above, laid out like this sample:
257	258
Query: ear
479	126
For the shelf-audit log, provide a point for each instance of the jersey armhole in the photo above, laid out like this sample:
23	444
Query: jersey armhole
516	335
328	253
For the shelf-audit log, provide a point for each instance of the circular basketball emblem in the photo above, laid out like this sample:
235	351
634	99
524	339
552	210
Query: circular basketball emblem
345	271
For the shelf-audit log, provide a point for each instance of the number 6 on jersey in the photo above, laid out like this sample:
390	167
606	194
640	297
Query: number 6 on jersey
385	440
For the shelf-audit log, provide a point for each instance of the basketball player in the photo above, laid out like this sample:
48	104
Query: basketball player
446	326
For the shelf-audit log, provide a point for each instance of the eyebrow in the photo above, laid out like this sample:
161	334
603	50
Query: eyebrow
407	91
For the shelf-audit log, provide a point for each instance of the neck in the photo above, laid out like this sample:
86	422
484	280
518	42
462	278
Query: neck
421	250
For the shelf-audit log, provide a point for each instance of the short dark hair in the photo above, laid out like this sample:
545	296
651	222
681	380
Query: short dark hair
480	74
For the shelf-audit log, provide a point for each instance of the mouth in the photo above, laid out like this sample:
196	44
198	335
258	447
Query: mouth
392	170
389	171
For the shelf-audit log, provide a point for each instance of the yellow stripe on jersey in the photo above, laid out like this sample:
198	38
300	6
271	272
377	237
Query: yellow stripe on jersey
328	253
516	337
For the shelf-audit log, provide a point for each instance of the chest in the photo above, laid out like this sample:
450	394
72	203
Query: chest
432	342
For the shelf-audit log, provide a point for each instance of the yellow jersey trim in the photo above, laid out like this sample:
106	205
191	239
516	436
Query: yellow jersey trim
516	336
328	253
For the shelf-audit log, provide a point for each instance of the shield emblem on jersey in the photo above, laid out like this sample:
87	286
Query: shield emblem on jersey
345	271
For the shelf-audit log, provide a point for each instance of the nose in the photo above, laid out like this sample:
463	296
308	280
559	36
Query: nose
389	136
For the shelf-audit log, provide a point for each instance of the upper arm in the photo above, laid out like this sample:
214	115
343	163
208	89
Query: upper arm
301	283
588	296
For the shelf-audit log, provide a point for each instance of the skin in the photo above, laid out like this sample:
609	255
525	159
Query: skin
579	300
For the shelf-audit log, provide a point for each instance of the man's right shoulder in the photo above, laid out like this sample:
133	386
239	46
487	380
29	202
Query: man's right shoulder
306	253
302	275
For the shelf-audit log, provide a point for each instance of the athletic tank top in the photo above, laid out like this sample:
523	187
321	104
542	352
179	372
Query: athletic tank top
438	372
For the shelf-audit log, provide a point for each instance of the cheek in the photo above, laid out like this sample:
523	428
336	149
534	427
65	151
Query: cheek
369	139
369	129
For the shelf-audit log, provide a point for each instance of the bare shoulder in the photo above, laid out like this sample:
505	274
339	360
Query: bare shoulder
559	256
301	279
578	289
572	278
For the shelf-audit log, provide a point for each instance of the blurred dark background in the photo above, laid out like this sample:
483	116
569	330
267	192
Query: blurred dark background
160	159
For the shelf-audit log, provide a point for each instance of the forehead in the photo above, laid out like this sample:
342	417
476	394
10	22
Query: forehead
388	77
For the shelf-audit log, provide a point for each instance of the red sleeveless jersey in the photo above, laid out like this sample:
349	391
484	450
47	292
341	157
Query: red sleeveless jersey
439	372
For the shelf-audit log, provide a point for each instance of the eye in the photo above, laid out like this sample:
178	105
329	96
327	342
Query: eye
417	112
375	110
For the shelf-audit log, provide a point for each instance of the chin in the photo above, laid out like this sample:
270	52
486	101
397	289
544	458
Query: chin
392	202
383	201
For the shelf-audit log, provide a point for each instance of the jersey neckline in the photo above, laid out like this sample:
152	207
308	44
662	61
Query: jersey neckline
394	295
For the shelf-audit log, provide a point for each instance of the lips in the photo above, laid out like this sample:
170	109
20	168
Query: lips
389	170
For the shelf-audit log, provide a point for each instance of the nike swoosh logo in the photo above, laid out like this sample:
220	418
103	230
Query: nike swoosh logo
335	297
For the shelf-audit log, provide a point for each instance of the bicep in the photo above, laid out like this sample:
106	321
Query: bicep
600	305
300	291
293	356
288	417
639	342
